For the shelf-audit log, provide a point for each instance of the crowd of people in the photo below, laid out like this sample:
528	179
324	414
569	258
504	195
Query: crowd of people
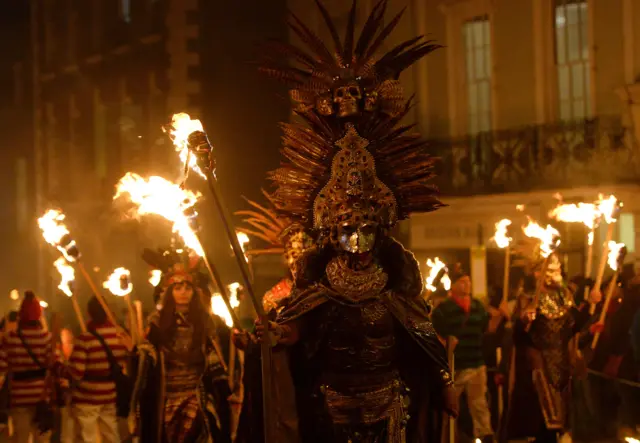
350	349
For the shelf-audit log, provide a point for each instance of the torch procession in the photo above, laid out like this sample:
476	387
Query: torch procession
300	222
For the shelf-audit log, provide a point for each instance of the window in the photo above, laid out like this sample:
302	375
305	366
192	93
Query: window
125	10
477	53
627	232
572	59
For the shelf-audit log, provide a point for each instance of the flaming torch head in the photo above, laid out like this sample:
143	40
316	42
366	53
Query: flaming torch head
437	271
219	308
609	208
549	237
156	276
119	282
501	238
56	234
617	252
192	143
585	213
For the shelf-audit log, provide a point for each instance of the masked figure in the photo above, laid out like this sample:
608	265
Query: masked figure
289	240
546	321
182	385
366	361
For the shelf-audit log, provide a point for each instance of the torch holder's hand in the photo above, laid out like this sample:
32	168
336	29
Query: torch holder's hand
147	349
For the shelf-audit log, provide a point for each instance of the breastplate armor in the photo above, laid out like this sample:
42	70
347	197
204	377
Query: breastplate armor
360	340
551	337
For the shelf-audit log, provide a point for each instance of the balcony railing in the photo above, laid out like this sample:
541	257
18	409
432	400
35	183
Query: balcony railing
587	153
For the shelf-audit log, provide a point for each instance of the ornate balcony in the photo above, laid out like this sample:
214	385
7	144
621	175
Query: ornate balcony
585	153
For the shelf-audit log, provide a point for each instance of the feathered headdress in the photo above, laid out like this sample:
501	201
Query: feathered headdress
351	160
176	266
281	235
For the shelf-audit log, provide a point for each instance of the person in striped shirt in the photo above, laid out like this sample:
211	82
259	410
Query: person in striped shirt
94	396
28	385
466	318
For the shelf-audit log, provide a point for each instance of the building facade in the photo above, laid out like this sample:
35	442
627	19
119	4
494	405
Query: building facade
527	99
95	82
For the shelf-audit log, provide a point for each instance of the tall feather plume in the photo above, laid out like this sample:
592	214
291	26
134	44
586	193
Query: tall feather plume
264	223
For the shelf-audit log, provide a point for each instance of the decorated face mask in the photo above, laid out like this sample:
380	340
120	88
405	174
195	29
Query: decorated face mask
357	238
296	243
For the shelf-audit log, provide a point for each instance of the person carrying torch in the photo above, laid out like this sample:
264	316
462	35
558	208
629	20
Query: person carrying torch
546	320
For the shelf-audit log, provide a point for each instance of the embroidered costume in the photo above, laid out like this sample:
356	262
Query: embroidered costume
366	362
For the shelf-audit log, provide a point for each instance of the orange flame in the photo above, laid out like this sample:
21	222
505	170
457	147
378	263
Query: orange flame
155	277
67	275
434	268
614	253
608	207
243	239
53	230
500	237
549	237
183	126
114	282
220	309
585	213
156	195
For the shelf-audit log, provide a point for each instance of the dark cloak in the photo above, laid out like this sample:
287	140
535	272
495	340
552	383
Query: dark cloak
421	356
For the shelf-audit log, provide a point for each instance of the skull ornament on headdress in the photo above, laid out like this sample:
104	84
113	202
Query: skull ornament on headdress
352	78
351	166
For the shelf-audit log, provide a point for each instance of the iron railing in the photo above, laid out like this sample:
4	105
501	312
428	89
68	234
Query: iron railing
586	153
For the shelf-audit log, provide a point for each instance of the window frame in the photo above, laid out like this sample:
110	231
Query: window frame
458	12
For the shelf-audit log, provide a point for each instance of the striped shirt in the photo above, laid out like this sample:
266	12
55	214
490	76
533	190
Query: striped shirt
14	358
89	366
449	319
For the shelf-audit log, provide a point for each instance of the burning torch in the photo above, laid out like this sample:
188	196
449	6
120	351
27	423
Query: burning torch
610	209
549	241
67	277
119	284
503	241
56	234
196	154
156	195
438	273
615	258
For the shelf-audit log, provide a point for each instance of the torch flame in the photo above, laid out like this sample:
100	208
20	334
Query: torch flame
614	253
114	282
156	195
183	126
156	276
586	213
434	268
608	208
243	239
631	440
14	294
67	275
44	304
501	238
53	230
549	237
220	309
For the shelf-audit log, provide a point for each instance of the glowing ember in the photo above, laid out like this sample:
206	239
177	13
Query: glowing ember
67	275
156	195
434	268
585	213
14	294
614	254
183	126
220	309
44	304
608	207
119	283
549	237
501	238
156	276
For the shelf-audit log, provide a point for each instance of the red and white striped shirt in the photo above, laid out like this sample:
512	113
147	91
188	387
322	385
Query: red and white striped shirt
89	359
14	358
